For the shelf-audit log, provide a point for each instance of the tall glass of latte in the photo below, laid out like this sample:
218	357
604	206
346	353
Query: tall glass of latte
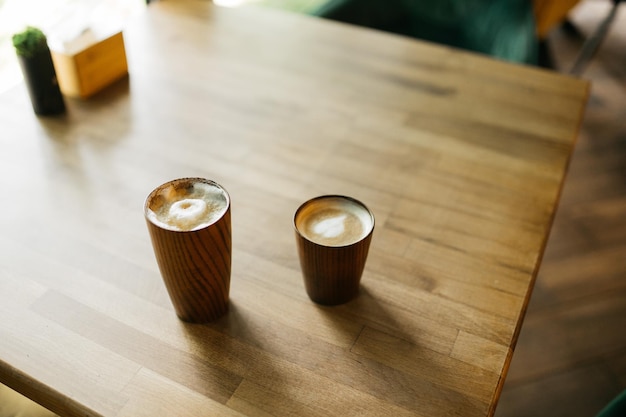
333	234
189	224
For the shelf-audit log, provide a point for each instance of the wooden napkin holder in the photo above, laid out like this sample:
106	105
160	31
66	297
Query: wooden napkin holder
84	70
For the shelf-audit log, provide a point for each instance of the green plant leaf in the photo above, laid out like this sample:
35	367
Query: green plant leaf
30	41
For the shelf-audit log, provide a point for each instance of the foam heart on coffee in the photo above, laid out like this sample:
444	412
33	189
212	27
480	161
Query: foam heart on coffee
334	221
187	206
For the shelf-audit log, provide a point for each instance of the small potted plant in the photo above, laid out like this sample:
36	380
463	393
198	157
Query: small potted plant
32	50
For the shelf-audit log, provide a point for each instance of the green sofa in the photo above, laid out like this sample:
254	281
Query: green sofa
616	408
503	29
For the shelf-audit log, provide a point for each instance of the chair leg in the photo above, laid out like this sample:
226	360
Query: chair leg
591	45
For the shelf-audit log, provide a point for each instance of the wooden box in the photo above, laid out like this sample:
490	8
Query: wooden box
83	71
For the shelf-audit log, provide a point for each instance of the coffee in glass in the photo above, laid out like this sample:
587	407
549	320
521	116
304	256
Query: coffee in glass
190	229
333	234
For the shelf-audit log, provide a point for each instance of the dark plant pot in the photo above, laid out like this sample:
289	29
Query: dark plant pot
41	80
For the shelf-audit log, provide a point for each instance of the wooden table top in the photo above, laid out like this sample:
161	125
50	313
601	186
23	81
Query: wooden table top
460	157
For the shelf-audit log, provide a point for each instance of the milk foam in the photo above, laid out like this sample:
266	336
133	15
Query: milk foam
334	221
330	227
187	205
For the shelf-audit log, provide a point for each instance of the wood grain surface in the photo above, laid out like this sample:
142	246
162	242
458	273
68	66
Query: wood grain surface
461	159
332	263
195	264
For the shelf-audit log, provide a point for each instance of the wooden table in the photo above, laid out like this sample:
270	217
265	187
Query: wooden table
460	157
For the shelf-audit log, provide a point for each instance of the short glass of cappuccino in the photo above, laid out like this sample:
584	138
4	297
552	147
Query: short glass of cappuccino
333	235
189	224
